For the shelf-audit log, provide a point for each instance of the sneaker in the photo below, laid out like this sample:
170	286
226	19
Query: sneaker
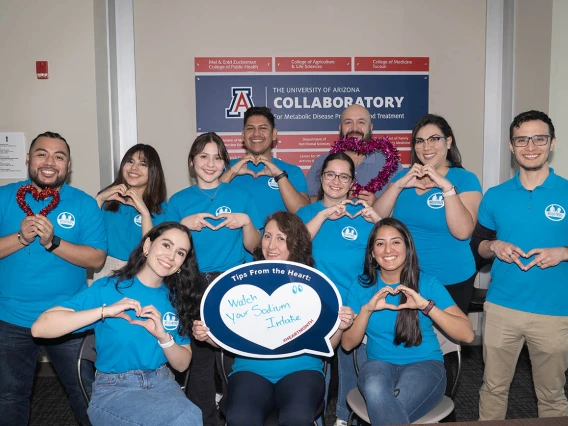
339	422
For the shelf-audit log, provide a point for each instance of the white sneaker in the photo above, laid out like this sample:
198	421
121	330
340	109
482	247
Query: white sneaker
340	422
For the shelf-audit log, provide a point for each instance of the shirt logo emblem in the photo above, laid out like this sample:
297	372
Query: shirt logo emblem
66	220
349	233
436	201
222	210
555	212
272	183
138	220
170	321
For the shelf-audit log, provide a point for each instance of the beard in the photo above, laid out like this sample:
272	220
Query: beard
534	168
356	134
34	177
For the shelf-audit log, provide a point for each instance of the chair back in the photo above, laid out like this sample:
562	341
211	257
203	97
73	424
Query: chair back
86	352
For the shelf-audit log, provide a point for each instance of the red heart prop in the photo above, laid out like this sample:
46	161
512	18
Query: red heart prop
38	195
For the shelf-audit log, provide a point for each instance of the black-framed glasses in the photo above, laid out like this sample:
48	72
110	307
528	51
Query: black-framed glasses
537	140
343	177
432	141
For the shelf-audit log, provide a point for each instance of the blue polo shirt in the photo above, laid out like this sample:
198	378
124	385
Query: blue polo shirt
122	346
528	219
124	229
33	280
220	250
275	369
380	329
339	246
368	169
440	254
266	190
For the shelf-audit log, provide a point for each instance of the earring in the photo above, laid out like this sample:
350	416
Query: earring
145	254
179	270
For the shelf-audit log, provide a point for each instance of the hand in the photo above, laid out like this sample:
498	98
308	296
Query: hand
438	181
334	212
196	222
117	309
44	230
153	323
378	301
270	169
116	192
367	197
366	213
413	299
507	252
346	316
28	229
132	198
233	220
546	257
413	178
199	331
241	167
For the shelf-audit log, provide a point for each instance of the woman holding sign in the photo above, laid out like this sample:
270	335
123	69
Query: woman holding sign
294	385
397	307
339	228
224	223
141	316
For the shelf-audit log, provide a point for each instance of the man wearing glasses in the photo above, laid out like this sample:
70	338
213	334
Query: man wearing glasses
522	223
355	123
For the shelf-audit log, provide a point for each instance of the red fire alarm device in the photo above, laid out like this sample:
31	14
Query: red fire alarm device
41	70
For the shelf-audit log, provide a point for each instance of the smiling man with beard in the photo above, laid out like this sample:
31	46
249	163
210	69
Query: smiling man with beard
355	123
43	261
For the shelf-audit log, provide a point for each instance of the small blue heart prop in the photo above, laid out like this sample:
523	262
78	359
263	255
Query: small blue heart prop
272	309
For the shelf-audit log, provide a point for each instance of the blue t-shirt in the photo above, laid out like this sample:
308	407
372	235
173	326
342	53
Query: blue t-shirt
275	369
33	280
266	190
122	346
440	254
368	169
217	251
380	329
528	219
124	229
339	246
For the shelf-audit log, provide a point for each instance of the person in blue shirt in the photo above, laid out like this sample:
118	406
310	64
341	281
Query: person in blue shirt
224	223
440	218
132	204
523	227
43	261
397	306
280	185
142	316
294	385
339	228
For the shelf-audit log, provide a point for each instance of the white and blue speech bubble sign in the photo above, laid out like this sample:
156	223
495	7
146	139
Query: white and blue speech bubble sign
272	309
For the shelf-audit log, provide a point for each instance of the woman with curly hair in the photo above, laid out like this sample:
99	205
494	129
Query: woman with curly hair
294	385
142	316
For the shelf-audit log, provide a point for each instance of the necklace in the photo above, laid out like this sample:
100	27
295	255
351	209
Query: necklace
211	198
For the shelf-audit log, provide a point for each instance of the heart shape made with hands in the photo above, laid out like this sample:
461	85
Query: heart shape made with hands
353	203
38	195
213	217
255	162
272	320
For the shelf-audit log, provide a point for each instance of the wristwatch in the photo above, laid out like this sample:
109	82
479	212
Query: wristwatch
281	176
452	191
55	241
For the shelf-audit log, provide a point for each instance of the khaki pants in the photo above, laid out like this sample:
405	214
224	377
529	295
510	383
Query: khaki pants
505	332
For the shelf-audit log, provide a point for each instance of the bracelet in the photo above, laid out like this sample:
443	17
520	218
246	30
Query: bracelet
167	344
20	240
281	176
429	307
103	312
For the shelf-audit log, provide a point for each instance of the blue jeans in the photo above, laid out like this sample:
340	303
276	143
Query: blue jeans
18	357
141	397
401	394
347	377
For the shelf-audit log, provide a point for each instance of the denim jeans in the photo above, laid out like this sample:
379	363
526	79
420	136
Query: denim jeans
141	397
18	357
347	377
401	394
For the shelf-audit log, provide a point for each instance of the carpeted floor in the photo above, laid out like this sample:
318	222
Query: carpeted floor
50	406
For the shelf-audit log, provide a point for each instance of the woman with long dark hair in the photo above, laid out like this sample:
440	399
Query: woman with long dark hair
438	200
294	385
132	204
397	307
142	316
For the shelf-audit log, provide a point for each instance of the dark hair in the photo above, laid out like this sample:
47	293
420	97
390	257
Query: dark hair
183	287
264	111
155	192
407	328
337	156
51	135
298	239
199	145
531	115
453	155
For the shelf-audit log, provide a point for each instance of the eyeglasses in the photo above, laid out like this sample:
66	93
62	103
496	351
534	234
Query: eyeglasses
432	141
343	177
537	140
